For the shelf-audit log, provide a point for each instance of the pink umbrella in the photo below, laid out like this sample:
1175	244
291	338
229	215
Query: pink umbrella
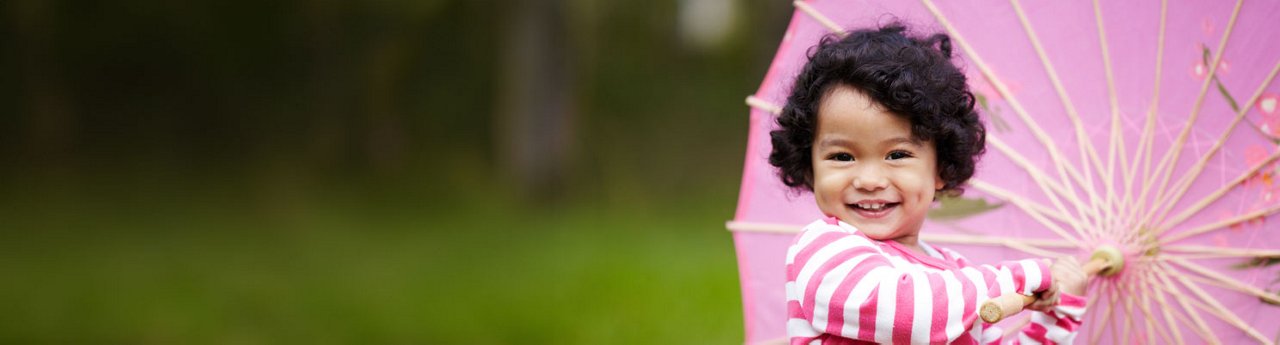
1147	126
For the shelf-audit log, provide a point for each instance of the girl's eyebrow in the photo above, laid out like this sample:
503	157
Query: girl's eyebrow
835	142
902	140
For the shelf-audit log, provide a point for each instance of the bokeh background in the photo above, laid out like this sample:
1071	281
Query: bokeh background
386	171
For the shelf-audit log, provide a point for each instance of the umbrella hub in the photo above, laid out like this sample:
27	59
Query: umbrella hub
1105	261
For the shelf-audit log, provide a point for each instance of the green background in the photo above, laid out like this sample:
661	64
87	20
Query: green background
247	172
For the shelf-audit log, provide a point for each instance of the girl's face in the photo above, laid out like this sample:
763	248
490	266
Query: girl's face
867	169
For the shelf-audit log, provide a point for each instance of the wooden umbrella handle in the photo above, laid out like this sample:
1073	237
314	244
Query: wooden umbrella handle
1105	260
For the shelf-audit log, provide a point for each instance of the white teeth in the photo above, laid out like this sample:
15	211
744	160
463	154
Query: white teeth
870	206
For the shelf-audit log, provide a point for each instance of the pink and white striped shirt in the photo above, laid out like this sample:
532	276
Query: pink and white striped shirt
844	288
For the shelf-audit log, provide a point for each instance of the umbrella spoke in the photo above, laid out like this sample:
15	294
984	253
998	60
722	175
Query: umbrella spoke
767	228
1116	139
1128	314
1087	151
1145	145
1184	183
1115	334
1094	292
1106	317
1212	306
1222	224
1196	328
1031	250
1208	281
1170	159
1201	328
1148	131
1151	282
1153	327
1046	183
1215	252
1064	168
997	240
1031	207
1227	281
819	17
1209	199
760	103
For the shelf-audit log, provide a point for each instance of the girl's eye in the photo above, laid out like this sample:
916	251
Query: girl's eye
896	155
843	157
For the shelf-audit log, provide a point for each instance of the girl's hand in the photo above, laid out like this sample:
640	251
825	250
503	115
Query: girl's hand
1068	277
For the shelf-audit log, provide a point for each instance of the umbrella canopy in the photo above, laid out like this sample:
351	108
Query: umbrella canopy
1148	126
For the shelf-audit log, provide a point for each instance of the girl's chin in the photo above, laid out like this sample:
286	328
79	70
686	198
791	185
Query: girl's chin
874	231
880	238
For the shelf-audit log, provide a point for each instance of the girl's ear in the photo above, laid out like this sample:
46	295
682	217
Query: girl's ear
938	183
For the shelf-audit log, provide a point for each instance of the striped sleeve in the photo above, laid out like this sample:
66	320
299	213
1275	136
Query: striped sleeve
843	284
1058	326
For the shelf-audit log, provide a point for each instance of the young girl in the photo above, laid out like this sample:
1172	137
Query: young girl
877	124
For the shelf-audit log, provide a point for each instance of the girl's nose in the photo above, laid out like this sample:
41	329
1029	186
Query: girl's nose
870	179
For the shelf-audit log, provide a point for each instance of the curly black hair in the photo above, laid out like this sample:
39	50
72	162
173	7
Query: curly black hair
910	76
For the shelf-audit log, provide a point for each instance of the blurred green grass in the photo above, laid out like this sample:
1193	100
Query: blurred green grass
212	265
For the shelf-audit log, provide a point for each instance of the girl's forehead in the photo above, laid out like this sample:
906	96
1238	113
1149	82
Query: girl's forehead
849	110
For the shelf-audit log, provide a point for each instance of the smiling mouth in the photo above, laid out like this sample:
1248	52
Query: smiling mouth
873	210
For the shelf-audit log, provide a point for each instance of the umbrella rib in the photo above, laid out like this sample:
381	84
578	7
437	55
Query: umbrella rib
1170	159
1153	327
1184	183
819	17
995	240
1087	151
1115	336
1212	197
768	228
1222	224
1128	314
1189	318
1044	181
992	189
1031	208
1148	131
1226	281
1091	301
1217	309
1211	252
1167	310
1145	145
1203	280
1201	329
1106	317
1062	166
1116	139
760	103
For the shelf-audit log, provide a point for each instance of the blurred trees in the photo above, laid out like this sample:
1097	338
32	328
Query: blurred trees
534	125
590	99
40	83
